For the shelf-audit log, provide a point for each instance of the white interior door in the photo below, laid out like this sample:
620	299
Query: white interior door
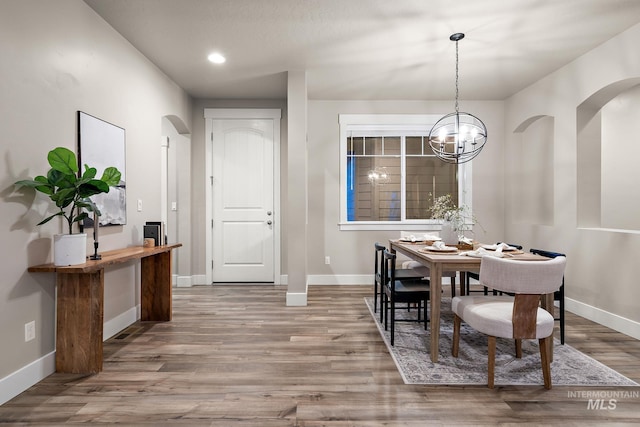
243	200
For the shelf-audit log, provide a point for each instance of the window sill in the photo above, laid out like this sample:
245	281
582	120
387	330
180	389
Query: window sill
390	226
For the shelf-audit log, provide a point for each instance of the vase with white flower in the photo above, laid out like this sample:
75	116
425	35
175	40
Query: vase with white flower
456	219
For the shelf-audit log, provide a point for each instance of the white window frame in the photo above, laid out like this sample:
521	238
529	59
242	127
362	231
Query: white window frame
390	125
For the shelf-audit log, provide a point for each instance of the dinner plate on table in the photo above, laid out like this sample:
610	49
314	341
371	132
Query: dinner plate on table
494	247
444	249
408	240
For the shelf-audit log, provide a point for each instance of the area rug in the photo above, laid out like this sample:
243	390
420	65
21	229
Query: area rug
411	355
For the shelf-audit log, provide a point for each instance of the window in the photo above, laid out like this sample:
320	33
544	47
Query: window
389	175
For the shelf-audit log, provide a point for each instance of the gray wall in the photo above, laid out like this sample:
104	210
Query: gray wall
346	247
602	280
60	57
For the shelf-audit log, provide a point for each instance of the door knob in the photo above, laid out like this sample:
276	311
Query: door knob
269	213
269	222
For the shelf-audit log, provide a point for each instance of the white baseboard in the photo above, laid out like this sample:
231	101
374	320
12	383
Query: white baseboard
17	382
348	279
20	380
341	279
114	326
296	299
610	320
199	279
184	281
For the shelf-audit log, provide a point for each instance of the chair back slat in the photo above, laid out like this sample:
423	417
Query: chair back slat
524	277
379	258
389	269
524	318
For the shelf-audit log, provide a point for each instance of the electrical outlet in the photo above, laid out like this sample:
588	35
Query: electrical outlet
139	205
327	260
30	331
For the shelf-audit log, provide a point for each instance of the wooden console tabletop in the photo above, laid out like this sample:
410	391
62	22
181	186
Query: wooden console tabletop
117	256
80	302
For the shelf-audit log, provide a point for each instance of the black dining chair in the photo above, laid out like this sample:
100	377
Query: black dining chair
426	273
476	276
402	291
378	284
557	295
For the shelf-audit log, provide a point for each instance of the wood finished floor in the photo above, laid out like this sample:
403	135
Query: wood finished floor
237	356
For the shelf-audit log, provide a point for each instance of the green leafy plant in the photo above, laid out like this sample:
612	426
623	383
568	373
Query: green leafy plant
71	193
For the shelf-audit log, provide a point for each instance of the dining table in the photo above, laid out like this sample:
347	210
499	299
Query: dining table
439	261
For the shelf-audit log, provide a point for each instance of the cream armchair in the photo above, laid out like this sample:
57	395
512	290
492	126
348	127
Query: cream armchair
519	317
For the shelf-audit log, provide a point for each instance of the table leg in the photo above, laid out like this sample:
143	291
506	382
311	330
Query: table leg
435	277
156	287
79	324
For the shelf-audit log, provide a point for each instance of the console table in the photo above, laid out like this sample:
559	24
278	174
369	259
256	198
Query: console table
80	302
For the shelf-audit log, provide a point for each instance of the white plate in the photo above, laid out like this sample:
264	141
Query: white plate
445	249
494	247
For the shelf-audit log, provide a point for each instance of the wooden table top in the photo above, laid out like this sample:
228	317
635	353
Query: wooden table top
113	257
419	249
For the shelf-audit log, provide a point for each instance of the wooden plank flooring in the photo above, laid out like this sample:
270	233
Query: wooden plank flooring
237	356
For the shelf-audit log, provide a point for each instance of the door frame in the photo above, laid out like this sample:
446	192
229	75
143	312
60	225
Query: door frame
210	114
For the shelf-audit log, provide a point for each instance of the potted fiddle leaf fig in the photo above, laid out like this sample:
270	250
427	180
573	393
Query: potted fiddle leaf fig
71	193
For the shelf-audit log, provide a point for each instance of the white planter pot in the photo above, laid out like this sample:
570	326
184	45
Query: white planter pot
448	234
69	249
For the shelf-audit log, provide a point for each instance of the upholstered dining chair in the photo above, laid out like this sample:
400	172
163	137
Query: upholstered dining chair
402	291
518	317
401	274
476	276
557	295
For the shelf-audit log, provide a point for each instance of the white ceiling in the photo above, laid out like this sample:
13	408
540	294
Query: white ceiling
365	49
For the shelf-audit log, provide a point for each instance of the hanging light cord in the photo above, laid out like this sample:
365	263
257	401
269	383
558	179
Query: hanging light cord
456	76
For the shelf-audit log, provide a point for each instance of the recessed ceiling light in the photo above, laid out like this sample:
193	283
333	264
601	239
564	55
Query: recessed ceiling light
216	58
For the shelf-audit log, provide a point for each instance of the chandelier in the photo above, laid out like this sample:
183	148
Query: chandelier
457	137
378	176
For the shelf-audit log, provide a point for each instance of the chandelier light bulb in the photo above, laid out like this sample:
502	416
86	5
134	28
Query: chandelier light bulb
378	176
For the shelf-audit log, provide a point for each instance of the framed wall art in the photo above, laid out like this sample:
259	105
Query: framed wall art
102	144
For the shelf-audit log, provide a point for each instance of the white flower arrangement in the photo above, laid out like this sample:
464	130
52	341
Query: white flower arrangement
460	217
